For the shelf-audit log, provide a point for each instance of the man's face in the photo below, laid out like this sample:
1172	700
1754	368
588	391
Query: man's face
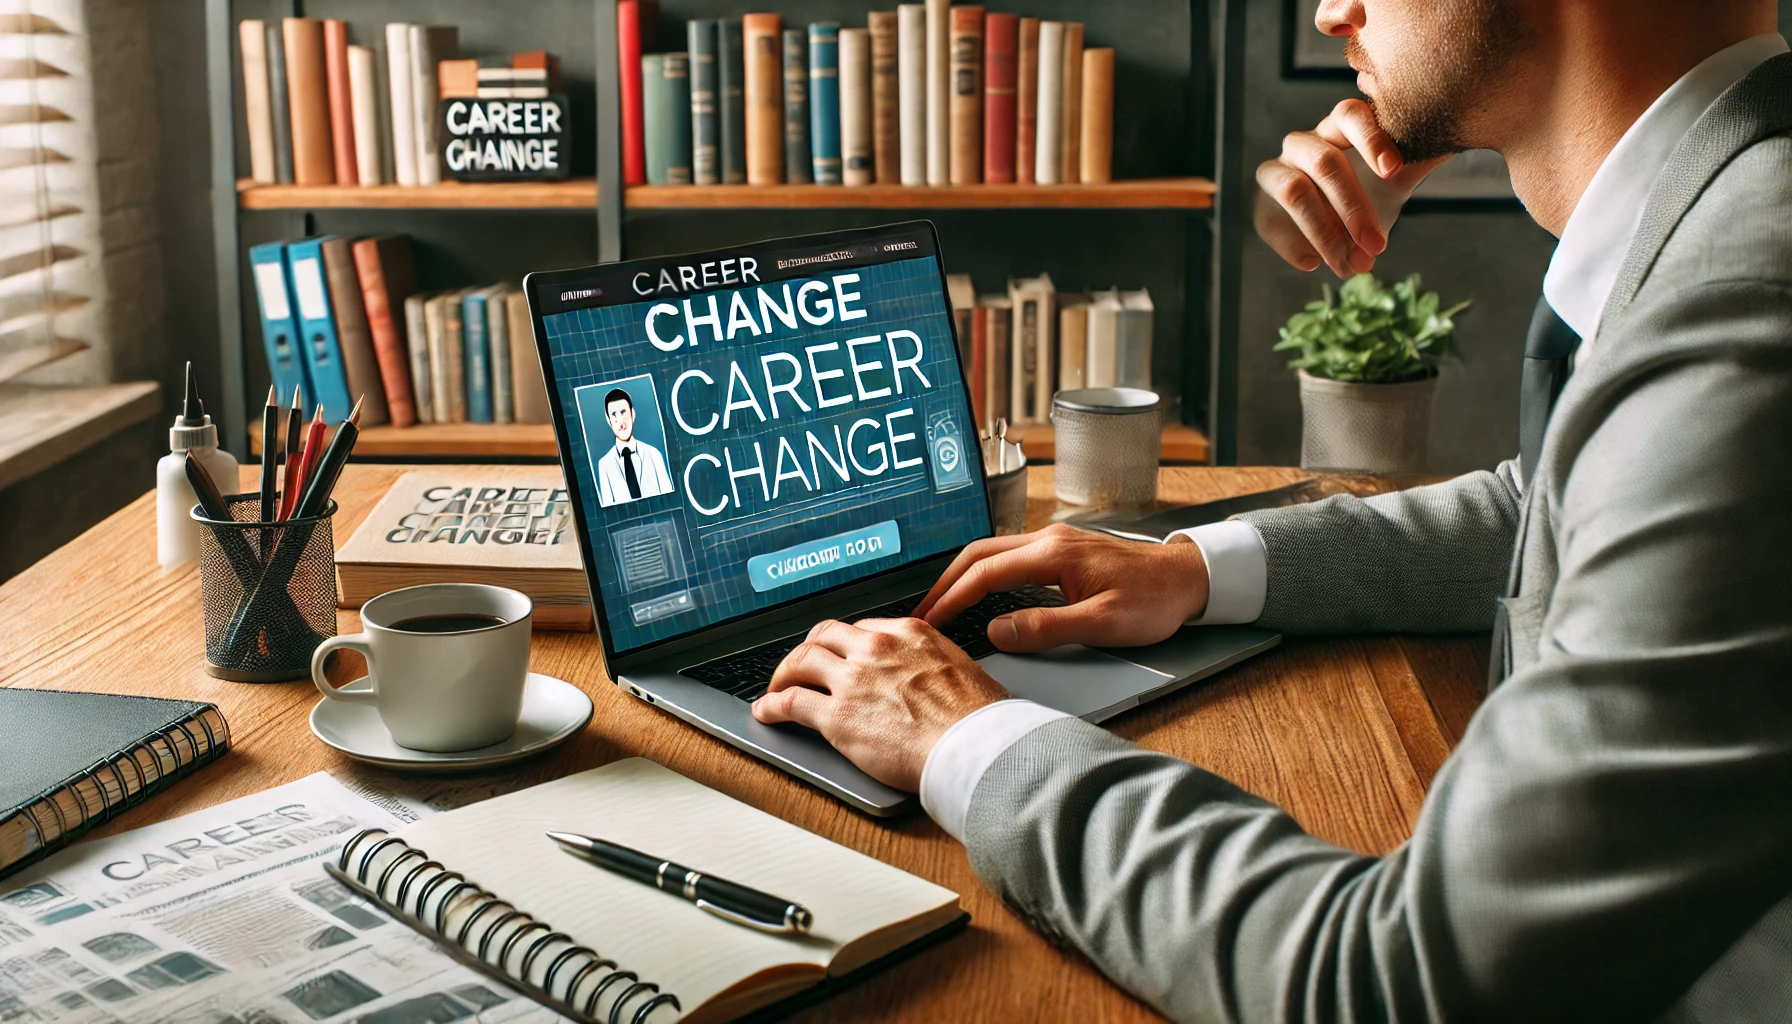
622	419
1430	68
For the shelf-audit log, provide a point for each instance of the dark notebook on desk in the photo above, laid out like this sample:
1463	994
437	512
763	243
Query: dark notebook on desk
488	885
69	761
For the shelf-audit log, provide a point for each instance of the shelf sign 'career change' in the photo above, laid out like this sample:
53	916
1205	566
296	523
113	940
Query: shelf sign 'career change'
506	139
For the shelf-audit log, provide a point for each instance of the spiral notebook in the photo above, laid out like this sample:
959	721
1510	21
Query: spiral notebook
488	885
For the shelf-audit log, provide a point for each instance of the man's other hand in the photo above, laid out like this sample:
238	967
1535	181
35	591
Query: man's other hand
1315	206
1122	593
882	691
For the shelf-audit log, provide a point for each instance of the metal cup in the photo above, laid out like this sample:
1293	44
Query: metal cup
1109	441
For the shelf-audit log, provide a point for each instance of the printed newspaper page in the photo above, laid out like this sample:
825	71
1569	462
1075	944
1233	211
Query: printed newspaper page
226	916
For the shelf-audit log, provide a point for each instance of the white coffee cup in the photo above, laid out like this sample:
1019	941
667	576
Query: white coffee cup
440	691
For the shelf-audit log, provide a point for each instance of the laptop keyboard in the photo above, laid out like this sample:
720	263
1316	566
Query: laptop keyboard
747	674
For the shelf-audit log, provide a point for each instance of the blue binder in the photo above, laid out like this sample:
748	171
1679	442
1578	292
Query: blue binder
317	327
476	359
824	100
279	327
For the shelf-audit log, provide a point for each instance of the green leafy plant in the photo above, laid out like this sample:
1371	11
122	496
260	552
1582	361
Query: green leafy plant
1367	333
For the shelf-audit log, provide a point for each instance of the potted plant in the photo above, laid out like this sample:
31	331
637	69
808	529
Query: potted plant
1368	357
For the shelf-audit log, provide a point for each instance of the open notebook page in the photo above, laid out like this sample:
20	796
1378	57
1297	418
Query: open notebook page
502	845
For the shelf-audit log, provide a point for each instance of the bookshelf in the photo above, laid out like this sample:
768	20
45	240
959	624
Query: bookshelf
1173	222
1182	443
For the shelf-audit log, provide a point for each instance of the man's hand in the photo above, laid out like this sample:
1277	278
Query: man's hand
1122	593
882	691
1314	206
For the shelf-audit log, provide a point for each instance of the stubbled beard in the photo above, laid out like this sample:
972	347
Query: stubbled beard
1426	103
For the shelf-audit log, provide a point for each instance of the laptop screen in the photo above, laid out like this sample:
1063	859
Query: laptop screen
747	427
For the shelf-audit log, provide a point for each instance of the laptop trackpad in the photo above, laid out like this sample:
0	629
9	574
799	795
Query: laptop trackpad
1078	680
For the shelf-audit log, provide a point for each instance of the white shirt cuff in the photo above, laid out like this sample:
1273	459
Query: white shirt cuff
961	756
1237	571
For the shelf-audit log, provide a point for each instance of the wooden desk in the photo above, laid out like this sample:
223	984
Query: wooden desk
1345	733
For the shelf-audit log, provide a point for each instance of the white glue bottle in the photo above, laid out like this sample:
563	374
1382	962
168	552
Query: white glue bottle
177	535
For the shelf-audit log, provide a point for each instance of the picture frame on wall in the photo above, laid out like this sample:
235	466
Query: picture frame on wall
1308	52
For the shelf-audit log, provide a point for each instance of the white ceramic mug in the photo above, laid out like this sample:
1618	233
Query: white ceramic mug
440	691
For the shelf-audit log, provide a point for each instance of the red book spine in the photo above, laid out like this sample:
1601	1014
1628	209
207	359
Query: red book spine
342	105
386	331
980	366
628	56
1001	46
1026	118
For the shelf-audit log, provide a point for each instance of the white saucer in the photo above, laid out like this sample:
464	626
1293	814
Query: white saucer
553	711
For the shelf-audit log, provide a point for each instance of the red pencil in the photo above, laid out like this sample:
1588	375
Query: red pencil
307	464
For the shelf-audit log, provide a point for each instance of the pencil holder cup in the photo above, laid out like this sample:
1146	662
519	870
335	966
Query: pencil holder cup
270	592
1109	440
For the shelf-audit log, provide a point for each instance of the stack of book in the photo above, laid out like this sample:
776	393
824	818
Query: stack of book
320	111
343	319
1021	347
927	94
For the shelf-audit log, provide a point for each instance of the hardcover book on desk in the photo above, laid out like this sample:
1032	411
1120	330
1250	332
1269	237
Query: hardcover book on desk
509	526
74	760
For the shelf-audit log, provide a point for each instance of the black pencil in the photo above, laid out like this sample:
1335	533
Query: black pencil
329	467
270	455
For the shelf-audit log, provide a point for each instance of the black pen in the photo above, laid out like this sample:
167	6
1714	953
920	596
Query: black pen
726	900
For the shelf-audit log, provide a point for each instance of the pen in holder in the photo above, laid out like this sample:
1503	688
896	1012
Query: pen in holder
269	591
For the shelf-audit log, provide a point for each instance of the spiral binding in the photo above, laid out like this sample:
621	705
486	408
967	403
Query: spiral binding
482	932
107	777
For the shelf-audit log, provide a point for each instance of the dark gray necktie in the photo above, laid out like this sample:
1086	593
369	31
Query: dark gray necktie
1547	351
628	473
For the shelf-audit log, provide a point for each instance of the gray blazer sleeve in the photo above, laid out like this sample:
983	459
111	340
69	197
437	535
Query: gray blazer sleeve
1428	560
1615	818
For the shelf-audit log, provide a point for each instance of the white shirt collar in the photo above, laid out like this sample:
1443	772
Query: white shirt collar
1594	244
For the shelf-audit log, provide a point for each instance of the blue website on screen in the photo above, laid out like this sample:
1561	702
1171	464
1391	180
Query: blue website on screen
751	427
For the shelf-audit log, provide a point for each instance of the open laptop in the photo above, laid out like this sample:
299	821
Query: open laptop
762	437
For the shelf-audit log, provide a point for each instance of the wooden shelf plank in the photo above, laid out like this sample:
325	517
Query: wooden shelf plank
1182	443
581	193
1160	193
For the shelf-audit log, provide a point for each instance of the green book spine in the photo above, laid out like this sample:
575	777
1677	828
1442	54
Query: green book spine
798	168
706	152
732	80
666	89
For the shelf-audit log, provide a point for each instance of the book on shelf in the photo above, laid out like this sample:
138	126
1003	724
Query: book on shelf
733	91
706	150
364	91
508	526
279	326
454	353
341	102
258	115
858	158
387	274
867	914
911	85
308	101
1120	325
279	104
966	71
1073	341
436	336
962	294
1098	116
1031	378
939	92
824	103
1070	105
76	760
527	380
666	95
1001	43
360	364
762	40
635	20
1048	160
429	44
399	81
319	343
416	343
477	354
886	134
799	168
1026	101
497	340
997	313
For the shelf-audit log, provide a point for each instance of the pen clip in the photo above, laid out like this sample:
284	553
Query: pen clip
780	928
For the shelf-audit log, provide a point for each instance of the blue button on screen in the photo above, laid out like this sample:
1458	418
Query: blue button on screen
820	557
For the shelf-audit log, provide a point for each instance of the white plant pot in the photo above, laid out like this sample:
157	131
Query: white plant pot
1364	428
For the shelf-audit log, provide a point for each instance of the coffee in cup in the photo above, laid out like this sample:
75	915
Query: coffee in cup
447	663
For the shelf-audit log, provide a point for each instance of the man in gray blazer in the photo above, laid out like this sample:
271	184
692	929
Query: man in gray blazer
1612	840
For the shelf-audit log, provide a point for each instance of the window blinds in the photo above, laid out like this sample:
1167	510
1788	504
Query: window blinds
52	286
